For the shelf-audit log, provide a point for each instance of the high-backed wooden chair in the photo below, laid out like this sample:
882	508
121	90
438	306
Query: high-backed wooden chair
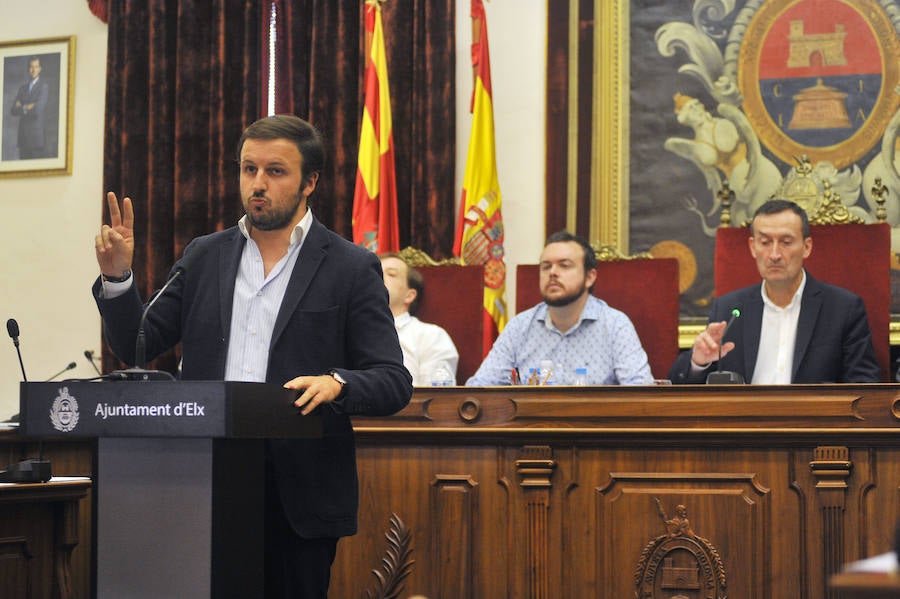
644	289
848	254
453	299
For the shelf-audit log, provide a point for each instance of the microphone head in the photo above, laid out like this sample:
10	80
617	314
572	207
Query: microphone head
89	354
71	365
12	327
735	313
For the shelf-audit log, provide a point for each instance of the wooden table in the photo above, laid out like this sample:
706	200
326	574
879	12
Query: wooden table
38	531
618	492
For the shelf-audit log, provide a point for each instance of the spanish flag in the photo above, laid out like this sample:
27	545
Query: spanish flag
479	234
375	197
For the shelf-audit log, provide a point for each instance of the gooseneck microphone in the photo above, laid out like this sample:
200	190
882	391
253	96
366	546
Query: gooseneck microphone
725	377
140	372
140	344
12	327
89	354
70	366
32	470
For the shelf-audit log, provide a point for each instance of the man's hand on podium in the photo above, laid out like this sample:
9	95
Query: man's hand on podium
316	390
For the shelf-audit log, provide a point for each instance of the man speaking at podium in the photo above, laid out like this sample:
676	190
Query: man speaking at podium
791	328
278	298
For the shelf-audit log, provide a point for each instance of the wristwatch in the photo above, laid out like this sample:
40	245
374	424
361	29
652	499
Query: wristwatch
120	279
336	376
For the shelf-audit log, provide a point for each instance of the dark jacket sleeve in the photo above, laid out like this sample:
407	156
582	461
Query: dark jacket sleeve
859	363
377	382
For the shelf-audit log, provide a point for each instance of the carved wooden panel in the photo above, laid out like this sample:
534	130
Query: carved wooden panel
15	556
454	507
535	468
831	467
696	534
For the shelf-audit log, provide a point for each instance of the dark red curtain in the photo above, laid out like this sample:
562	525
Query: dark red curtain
320	75
182	83
184	78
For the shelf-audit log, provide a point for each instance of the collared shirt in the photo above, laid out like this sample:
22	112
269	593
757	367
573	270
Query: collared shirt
257	299
777	339
604	341
425	347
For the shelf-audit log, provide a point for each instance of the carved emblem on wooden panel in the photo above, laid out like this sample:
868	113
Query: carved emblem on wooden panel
679	564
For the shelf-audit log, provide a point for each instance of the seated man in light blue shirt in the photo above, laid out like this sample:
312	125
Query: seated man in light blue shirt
571	329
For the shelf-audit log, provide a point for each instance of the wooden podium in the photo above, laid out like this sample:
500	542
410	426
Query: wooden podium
179	480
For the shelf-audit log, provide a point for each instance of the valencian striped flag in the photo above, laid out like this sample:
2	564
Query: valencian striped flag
479	233
375	197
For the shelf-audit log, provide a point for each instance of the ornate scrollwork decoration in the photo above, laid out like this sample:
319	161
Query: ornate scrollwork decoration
726	198
610	253
803	186
879	191
416	257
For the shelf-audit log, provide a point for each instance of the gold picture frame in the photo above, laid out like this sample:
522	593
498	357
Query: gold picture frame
36	120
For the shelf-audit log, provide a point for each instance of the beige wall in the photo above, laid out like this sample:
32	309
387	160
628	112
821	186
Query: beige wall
48	262
47	239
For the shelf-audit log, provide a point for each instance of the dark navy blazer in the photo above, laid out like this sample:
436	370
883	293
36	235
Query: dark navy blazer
834	343
334	315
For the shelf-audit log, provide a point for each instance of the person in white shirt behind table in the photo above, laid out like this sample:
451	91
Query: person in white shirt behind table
428	351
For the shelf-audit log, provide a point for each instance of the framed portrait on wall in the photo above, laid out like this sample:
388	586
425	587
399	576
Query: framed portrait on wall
36	119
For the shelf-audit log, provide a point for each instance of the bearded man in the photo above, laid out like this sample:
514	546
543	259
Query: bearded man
571	330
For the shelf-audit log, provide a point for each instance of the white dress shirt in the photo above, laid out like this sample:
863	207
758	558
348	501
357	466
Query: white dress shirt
777	339
257	299
425	347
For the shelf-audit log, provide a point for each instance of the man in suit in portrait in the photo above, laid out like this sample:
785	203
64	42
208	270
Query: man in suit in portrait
278	298
791	328
30	105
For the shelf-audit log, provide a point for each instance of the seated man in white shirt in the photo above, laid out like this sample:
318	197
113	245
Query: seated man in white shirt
788	329
426	347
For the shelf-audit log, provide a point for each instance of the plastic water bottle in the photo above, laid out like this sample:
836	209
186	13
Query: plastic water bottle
546	373
580	379
440	377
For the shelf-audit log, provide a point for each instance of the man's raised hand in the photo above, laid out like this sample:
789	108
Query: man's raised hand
114	245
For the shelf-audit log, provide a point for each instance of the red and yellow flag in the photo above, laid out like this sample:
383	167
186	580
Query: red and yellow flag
375	197
479	234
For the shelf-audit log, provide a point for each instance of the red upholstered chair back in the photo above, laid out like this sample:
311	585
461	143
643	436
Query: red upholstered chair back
645	290
854	256
454	300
